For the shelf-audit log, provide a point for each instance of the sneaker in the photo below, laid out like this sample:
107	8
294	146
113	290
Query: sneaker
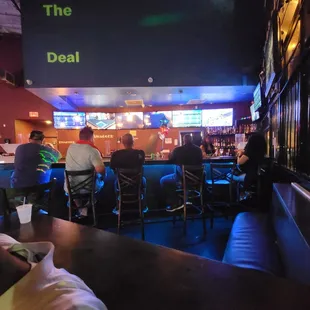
83	211
174	208
115	210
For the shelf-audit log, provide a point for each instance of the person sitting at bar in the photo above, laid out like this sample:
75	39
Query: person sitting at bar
249	159
33	162
29	279
128	158
189	154
207	147
84	155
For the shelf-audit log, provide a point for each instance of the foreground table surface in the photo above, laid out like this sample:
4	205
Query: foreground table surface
130	274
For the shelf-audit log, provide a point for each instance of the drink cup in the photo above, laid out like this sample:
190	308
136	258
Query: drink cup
24	213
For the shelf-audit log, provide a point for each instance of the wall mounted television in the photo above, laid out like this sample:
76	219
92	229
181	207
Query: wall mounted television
157	119
186	118
132	120
254	114
69	120
257	97
217	117
101	120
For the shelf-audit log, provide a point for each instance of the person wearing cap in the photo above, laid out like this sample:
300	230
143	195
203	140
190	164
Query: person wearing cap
33	162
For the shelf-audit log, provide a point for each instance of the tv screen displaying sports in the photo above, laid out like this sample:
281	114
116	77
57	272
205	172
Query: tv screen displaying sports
133	120
187	118
157	119
257	98
101	120
217	117
69	120
254	114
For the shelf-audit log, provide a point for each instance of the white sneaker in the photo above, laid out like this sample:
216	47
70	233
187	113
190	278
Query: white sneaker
83	211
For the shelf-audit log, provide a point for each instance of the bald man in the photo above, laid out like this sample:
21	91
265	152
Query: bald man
189	154
128	158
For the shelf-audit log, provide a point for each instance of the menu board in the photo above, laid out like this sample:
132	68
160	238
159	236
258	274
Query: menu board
157	119
217	117
101	120
69	120
133	120
187	118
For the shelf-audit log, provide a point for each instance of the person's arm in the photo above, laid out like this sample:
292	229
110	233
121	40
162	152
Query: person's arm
200	156
172	157
241	160
56	155
204	154
112	161
97	162
213	149
143	156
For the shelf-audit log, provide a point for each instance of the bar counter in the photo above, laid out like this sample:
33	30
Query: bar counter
153	171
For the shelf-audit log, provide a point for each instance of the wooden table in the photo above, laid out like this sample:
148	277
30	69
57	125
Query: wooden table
130	274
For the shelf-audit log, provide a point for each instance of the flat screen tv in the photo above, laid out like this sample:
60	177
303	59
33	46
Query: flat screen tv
157	119
132	120
186	118
217	117
254	114
101	120
69	120
257	97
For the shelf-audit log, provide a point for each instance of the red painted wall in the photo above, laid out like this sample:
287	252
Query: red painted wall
16	102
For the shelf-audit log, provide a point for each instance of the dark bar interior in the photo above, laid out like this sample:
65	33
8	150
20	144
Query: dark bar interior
159	155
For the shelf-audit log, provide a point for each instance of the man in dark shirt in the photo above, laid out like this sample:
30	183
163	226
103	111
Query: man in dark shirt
128	158
188	154
33	162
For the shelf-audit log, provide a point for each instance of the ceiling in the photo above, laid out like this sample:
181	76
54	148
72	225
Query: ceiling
116	97
10	21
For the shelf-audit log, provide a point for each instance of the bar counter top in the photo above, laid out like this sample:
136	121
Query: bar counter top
7	162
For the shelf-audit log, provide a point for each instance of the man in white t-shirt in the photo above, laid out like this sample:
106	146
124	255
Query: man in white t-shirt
84	155
29	280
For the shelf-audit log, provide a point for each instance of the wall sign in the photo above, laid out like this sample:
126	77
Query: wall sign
33	114
103	136
60	51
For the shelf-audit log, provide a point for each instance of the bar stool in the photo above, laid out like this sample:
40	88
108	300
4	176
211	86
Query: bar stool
220	188
192	188
83	191
130	193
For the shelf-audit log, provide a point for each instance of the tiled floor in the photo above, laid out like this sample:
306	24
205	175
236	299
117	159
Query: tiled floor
212	246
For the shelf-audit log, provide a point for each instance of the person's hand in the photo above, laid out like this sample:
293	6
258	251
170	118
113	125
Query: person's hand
240	153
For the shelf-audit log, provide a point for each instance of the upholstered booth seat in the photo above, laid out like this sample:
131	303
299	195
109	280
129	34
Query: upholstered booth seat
252	244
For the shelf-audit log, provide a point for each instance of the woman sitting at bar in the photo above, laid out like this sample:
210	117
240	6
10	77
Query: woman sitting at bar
207	147
250	158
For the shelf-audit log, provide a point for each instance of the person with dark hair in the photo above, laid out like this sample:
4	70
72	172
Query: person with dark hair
33	160
188	154
128	158
250	158
207	147
84	155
